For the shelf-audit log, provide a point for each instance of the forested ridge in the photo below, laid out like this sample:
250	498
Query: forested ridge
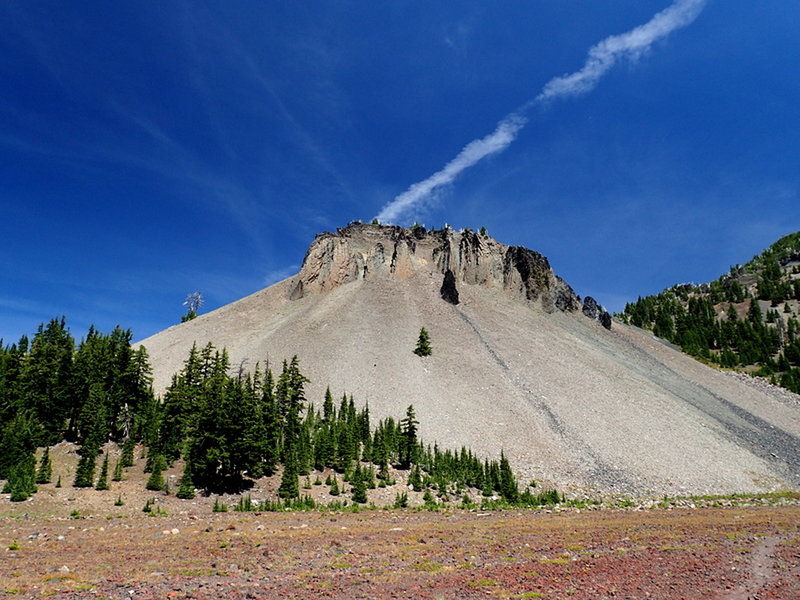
228	426
746	319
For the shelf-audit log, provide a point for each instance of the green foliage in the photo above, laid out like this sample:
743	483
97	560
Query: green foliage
358	484
126	458
117	476
401	500
219	506
18	441
186	487
227	427
119	501
245	504
84	474
415	479
334	489
102	481
704	319
22	479
428	501
408	439
44	473
423	347
156	481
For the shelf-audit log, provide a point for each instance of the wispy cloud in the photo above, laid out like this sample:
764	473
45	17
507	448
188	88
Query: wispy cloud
497	141
601	57
631	44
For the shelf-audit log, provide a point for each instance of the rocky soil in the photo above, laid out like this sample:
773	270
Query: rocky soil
711	553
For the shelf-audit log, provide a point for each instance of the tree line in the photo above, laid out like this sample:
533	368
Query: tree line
228	426
706	320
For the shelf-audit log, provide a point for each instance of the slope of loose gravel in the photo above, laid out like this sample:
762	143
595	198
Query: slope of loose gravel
570	403
710	553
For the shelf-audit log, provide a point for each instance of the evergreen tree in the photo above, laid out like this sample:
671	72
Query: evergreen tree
93	422
272	425
117	476
45	472
290	486
156	480
358	486
186	489
423	344
21	482
508	484
334	487
18	441
126	457
415	479
45	383
408	440
84	474
102	481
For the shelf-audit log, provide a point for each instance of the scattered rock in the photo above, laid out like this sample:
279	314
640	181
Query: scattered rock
594	311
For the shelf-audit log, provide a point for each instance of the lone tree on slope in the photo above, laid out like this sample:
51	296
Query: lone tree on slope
423	344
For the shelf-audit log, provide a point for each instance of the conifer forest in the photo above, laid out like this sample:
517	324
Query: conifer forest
228	426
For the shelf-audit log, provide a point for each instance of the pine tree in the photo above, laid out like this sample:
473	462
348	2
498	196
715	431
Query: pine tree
18	441
358	486
408	440
186	489
290	486
46	379
415	479
102	481
117	476
45	472
84	474
334	490
508	484
126	458
423	344
156	481
272	425
21	482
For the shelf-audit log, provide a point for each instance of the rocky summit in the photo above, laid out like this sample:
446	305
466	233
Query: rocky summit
519	363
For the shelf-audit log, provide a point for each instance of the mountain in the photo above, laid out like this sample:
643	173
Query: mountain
746	319
516	365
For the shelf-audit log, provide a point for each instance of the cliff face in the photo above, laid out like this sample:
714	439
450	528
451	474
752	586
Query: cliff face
362	251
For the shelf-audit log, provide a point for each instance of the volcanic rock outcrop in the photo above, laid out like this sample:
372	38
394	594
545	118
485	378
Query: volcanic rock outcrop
361	251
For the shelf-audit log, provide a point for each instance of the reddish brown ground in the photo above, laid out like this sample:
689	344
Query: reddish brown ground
711	553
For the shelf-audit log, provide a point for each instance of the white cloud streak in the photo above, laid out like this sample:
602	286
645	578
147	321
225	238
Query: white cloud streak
497	141
601	58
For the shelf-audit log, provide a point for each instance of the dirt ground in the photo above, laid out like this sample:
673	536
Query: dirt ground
737	553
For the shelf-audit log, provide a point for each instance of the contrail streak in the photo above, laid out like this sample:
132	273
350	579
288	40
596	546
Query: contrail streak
601	57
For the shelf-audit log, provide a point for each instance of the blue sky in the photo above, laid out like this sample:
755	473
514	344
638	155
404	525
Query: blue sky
148	149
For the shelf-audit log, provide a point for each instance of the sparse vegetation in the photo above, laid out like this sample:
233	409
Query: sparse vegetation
734	322
423	347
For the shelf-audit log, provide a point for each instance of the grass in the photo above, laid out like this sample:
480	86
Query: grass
485	582
555	561
427	566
